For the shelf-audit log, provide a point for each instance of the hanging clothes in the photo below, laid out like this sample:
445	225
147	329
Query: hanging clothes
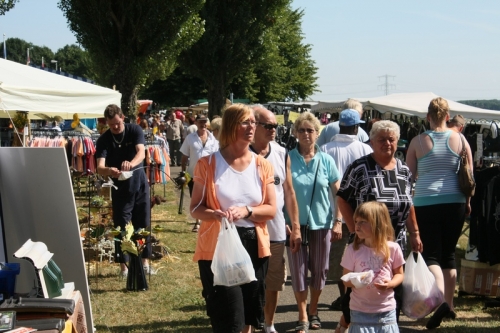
157	162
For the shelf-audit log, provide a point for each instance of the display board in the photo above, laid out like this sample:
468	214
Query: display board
38	204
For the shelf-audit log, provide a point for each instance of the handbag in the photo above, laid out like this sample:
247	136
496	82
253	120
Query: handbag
231	264
465	176
304	229
421	294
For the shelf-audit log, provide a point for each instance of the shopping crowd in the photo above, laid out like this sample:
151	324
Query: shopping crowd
345	209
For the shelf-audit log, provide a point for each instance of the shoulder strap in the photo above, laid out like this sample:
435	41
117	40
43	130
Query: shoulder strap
314	187
464	151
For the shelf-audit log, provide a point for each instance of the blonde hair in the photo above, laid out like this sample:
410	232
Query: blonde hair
353	104
386	126
438	110
309	117
231	119
215	124
377	214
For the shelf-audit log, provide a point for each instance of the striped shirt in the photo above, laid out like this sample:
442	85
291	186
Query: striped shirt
437	181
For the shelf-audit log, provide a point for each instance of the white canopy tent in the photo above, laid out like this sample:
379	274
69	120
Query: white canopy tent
24	88
412	104
416	104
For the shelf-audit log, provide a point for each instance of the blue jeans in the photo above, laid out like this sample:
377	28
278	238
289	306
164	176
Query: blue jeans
380	322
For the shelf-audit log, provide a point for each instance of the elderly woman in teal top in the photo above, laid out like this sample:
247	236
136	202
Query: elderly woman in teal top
314	175
440	206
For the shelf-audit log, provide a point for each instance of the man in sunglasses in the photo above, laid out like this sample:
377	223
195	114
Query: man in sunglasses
265	145
332	129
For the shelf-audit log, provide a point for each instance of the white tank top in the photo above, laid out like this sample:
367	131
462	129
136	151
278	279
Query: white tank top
277	157
235	188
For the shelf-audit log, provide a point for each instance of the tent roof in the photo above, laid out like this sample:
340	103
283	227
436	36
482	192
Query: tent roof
416	104
24	88
412	104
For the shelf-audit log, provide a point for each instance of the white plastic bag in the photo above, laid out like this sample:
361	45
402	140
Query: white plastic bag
421	294
231	264
124	175
359	280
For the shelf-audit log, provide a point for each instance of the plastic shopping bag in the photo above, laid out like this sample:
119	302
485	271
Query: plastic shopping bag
231	264
421	294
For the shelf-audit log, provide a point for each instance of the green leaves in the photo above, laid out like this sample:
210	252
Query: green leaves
6	5
131	43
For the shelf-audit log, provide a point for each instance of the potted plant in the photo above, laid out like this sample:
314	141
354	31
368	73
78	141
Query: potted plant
20	120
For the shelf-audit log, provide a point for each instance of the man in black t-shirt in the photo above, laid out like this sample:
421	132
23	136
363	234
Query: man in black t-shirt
121	148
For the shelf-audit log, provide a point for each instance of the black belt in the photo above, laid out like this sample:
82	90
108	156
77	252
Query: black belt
247	233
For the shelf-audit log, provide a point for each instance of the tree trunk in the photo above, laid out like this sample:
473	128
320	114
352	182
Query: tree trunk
129	90
216	96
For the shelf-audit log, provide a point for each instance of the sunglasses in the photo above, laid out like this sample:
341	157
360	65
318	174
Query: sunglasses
308	130
269	126
247	123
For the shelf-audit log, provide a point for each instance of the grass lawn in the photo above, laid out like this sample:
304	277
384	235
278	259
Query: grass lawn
173	302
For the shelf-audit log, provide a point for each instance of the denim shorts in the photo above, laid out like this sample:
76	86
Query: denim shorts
381	322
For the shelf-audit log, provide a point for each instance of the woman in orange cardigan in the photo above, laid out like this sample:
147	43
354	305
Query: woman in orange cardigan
237	184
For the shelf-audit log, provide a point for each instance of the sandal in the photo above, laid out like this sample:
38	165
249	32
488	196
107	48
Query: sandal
340	328
314	322
302	326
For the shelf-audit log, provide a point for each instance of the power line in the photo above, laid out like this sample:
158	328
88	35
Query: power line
386	84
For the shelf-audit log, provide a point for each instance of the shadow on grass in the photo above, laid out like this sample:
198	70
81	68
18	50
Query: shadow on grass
191	308
192	325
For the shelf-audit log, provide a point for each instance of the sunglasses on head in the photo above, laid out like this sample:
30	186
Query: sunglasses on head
269	126
308	130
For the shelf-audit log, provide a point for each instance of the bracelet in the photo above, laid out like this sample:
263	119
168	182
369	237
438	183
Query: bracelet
338	220
414	232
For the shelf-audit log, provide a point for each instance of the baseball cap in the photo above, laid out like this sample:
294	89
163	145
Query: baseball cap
349	117
201	117
458	119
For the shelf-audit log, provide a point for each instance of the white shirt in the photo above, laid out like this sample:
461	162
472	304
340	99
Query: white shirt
235	188
345	149
277	156
193	148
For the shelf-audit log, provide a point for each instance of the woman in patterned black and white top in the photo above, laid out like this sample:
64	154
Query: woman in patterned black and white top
381	177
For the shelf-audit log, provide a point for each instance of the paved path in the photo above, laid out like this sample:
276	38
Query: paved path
287	314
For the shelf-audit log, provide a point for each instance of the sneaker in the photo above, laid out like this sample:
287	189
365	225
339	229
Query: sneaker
337	304
150	270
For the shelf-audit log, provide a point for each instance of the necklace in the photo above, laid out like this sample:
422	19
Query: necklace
119	143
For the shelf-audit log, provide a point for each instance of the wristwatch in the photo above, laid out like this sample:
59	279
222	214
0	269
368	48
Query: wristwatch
250	211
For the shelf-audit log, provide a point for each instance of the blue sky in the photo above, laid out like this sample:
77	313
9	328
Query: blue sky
448	47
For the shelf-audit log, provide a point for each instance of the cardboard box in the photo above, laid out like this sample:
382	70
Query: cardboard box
479	278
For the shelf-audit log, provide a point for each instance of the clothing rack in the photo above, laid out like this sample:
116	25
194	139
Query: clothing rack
75	133
45	133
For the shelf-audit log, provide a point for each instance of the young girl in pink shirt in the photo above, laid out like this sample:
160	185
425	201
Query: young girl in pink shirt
373	307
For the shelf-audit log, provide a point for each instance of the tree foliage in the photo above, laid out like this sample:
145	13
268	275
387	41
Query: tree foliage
284	70
17	50
489	104
232	39
179	89
74	60
6	5
132	43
